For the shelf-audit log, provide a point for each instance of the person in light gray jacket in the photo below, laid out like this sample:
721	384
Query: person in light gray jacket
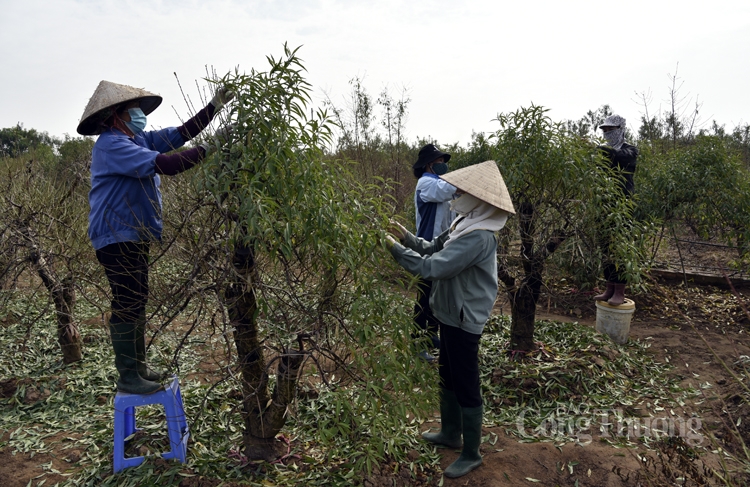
462	263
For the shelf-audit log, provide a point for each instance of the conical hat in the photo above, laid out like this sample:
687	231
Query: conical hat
110	94
482	181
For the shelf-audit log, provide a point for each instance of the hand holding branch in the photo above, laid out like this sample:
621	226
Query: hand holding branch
397	229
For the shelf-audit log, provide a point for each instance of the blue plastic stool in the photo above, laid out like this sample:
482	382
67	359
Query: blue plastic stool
177	427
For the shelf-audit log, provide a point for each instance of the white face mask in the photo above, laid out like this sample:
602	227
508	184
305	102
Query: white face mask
464	204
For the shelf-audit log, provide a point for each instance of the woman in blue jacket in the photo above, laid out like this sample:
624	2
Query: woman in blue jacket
462	265
432	198
125	202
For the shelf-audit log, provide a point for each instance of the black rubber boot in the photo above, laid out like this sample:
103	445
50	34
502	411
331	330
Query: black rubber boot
618	296
607	293
470	457
450	422
140	353
124	343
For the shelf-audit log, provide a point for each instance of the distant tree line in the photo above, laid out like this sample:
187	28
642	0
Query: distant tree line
689	175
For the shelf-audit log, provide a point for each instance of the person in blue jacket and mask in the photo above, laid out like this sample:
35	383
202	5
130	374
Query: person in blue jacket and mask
125	207
432	198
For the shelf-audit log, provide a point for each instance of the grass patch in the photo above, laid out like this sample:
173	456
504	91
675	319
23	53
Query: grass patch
47	407
575	386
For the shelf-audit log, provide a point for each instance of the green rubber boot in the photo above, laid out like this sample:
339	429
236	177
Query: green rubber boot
470	457
140	353
450	422
124	343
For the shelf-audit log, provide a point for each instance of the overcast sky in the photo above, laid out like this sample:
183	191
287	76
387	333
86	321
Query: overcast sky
461	62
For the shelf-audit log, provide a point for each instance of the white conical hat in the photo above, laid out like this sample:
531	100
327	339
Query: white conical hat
482	181
108	95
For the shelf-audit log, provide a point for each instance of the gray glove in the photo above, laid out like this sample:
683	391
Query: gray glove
222	96
389	242
222	135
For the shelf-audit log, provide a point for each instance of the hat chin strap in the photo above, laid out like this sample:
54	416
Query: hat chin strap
120	125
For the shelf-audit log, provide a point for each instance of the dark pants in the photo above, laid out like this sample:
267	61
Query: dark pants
423	318
610	269
126	266
458	365
611	274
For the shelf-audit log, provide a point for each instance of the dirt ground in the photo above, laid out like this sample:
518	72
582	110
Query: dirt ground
716	315
718	319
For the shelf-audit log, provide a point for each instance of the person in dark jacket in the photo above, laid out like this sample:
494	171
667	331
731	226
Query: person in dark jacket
125	202
432	198
622	157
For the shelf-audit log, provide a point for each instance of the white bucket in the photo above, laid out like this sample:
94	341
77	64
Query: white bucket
615	320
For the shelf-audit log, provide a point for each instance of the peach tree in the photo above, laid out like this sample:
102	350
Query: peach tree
292	242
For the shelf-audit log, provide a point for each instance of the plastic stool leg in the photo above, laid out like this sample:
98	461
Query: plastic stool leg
181	410
130	421
177	428
118	455
176	423
182	423
124	427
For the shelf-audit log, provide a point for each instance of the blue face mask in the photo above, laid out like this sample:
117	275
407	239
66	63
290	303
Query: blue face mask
440	168
137	120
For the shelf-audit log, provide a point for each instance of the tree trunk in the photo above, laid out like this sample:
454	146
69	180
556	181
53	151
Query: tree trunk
326	302
5	268
523	300
264	414
64	297
67	332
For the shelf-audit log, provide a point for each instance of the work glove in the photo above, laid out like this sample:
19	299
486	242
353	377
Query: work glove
222	96
222	135
396	234
389	242
397	229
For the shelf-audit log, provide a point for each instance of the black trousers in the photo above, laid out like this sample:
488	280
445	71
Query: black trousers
604	237
126	266
423	316
611	274
610	269
458	365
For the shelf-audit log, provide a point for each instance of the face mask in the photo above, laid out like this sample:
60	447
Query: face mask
464	204
615	138
137	120
440	168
